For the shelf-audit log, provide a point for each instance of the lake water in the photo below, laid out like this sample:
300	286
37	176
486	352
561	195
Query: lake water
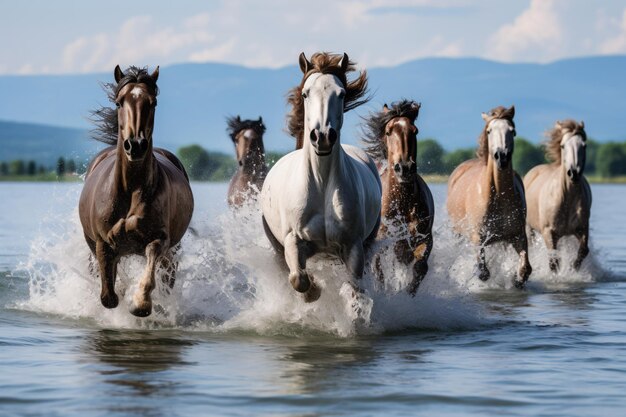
232	337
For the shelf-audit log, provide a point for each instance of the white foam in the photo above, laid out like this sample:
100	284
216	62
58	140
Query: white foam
229	279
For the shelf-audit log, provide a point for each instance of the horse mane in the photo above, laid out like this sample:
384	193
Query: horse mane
325	63
555	135
105	118
500	112
235	125
376	122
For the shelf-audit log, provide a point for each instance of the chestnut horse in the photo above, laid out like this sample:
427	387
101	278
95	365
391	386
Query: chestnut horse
136	198
247	136
324	197
486	199
558	194
407	203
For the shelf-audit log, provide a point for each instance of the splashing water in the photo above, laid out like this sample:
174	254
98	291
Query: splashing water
229	279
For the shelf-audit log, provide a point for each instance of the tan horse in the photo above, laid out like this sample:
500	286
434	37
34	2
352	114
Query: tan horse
486	196
407	202
558	195
247	136
136	198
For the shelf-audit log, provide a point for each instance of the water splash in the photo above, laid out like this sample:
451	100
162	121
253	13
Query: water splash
229	279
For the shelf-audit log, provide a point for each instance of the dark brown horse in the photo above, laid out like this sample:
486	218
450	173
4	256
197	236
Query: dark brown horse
247	136
407	203
136	198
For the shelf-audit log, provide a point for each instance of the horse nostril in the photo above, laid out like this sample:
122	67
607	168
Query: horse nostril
397	167
569	173
143	145
313	135
127	145
332	135
496	156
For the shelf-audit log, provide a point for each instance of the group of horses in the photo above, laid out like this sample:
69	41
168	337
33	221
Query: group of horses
326	197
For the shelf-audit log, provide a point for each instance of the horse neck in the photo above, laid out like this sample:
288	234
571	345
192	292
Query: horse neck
135	176
255	167
321	169
499	181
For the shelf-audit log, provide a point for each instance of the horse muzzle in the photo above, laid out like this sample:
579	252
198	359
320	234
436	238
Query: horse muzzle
503	159
405	172
574	174
323	142
135	148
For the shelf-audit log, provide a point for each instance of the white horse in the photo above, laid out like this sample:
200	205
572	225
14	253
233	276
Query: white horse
324	197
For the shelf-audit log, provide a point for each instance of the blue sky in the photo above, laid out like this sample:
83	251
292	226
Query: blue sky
64	36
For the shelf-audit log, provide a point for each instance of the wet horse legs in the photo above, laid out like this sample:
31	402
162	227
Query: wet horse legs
142	301
524	269
551	239
297	251
583	249
107	263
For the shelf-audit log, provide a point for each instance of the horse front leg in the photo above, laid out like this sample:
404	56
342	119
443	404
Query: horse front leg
421	253
107	264
297	251
583	249
142	300
524	269
354	258
551	239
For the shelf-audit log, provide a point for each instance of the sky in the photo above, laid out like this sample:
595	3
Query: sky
64	36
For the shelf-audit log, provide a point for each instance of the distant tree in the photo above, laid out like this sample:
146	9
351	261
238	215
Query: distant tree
526	156
590	160
4	168
611	160
453	159
31	169
71	166
42	169
196	161
81	168
430	157
17	167
61	167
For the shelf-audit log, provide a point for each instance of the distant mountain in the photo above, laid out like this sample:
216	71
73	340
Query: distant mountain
44	144
195	98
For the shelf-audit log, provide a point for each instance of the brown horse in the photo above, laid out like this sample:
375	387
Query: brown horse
486	196
407	202
247	136
558	195
136	198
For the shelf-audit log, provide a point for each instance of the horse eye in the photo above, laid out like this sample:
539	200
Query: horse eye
304	95
388	133
118	104
342	94
562	146
488	131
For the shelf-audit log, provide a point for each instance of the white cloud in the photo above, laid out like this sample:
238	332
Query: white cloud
616	44
536	34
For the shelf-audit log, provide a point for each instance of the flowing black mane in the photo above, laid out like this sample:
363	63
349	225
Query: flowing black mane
105	118
236	125
375	124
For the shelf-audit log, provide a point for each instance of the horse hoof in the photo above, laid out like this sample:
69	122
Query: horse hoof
300	281
141	311
484	275
519	284
109	300
313	294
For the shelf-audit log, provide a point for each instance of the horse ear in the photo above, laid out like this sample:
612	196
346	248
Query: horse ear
305	65
511	111
238	118
118	74
260	119
558	125
345	61
385	108
155	74
485	116
582	124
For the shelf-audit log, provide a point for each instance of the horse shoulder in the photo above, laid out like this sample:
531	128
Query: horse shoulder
425	202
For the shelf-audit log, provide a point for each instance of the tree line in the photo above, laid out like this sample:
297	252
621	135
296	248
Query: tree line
30	168
604	160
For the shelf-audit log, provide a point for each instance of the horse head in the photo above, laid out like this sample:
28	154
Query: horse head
135	99
500	134
572	141
247	136
400	139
